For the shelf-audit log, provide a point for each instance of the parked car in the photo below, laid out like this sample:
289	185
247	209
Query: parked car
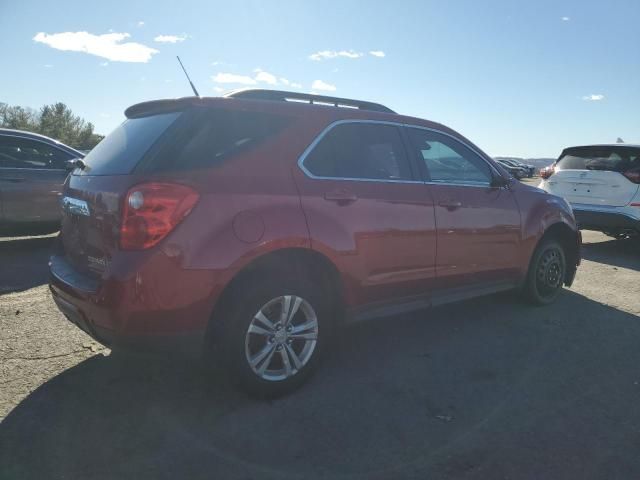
529	169
602	184
515	170
33	169
251	226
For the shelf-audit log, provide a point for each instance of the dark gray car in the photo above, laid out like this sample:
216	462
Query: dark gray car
33	169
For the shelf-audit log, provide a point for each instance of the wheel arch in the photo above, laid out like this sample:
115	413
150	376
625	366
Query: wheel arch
296	260
569	238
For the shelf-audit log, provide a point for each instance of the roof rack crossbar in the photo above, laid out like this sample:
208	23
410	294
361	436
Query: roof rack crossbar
284	96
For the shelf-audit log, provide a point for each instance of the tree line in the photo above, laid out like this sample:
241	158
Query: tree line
56	121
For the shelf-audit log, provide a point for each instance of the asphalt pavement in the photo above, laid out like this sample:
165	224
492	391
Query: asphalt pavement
486	389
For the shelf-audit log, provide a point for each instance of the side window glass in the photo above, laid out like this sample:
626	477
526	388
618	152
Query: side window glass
360	151
449	161
23	153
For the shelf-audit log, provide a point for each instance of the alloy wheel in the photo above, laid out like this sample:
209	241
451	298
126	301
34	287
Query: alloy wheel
281	338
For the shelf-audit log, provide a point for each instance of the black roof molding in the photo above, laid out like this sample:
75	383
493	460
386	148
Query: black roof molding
284	96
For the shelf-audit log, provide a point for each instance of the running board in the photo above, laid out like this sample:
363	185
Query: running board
422	302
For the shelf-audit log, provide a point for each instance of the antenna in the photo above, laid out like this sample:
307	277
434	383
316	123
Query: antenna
190	82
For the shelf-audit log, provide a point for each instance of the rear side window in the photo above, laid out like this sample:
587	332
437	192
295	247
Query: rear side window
362	152
615	159
206	137
120	151
18	152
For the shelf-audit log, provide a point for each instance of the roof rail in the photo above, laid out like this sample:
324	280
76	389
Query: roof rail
283	96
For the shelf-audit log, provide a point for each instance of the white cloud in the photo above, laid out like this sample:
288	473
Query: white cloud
261	76
233	78
108	45
48	65
593	97
141	23
104	115
320	85
565	19
218	89
265	77
328	54
170	38
104	64
377	53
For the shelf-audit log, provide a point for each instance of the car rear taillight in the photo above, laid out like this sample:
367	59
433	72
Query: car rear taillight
546	172
633	175
151	211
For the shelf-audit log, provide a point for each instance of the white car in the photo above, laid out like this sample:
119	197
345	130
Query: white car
602	184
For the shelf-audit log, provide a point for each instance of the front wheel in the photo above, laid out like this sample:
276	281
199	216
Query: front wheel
275	336
546	274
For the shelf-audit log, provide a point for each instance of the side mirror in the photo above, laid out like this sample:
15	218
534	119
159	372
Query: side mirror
74	163
498	181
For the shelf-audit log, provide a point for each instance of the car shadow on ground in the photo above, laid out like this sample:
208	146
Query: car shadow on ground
620	253
25	262
490	388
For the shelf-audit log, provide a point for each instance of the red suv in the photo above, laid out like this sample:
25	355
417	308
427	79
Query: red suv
251	225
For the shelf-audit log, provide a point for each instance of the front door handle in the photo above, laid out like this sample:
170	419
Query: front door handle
342	197
450	204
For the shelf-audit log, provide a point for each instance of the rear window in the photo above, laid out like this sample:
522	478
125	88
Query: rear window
122	149
615	159
207	137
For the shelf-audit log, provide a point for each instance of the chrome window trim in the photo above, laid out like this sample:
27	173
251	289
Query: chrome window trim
35	169
332	125
48	144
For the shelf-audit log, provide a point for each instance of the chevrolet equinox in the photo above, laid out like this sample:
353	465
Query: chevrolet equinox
251	226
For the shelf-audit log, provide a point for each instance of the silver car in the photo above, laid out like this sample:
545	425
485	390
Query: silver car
33	169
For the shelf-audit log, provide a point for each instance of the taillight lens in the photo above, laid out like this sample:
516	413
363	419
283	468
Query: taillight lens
151	211
633	175
546	172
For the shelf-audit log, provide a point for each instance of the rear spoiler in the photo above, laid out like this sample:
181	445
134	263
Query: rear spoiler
155	107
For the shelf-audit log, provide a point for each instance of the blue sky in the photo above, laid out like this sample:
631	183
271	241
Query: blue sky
516	77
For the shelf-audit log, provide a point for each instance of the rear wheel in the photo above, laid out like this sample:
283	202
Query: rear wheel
546	274
275	334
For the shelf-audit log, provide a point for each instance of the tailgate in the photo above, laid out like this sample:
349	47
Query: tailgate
91	220
592	187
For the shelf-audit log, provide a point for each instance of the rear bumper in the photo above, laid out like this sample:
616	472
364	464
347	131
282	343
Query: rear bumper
117	314
605	218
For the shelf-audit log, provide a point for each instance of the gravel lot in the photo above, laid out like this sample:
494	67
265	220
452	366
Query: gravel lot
490	388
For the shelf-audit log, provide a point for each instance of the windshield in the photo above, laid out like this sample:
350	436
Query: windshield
615	159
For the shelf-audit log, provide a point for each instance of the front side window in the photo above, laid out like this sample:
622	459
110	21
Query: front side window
18	152
360	151
447	160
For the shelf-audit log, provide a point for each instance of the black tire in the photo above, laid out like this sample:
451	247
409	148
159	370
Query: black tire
546	274
251	295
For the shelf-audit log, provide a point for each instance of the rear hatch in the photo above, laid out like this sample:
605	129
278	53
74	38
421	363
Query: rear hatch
92	202
172	142
596	175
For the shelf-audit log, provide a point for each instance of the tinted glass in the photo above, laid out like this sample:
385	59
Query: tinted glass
616	159
447	160
204	138
360	151
23	153
120	151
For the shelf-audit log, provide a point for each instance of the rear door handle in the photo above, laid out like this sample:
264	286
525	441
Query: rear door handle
342	197
450	204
